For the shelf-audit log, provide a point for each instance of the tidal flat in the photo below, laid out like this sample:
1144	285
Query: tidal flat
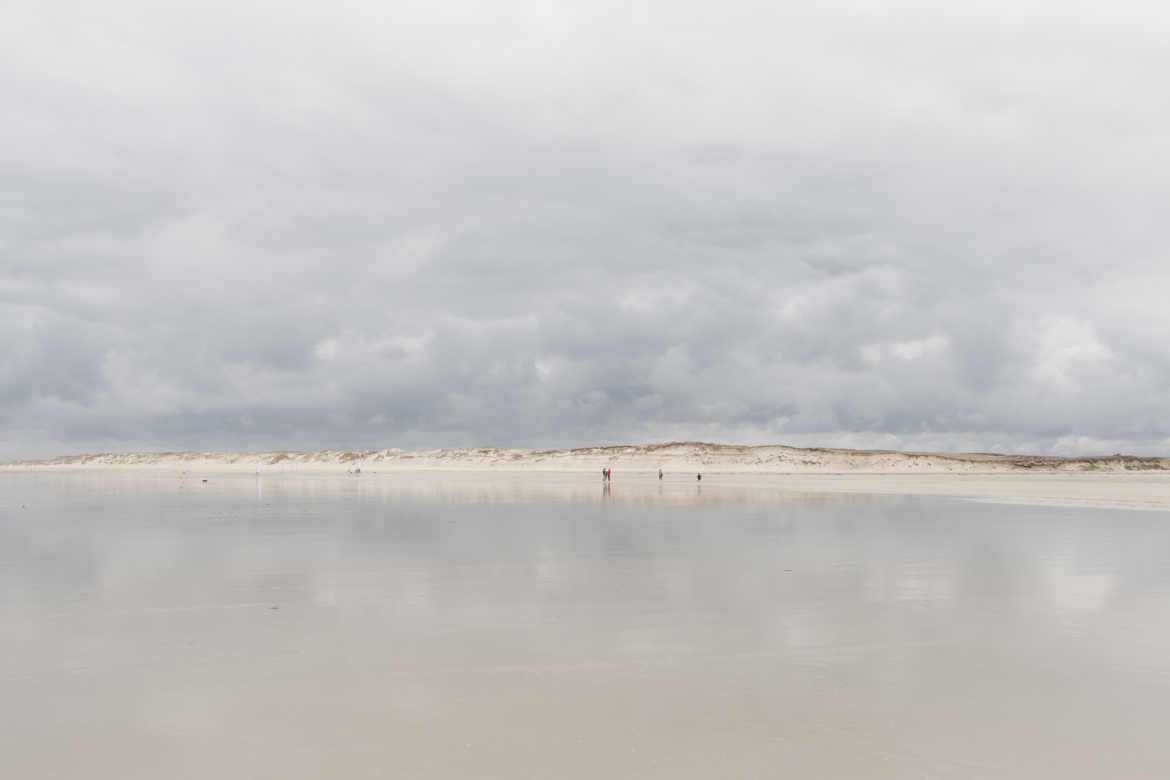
446	625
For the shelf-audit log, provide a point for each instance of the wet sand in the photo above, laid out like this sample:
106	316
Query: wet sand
1104	490
461	626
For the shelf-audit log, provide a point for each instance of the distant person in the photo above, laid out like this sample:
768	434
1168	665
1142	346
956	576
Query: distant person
699	477
660	473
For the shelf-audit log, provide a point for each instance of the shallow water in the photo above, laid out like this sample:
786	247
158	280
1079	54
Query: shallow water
456	626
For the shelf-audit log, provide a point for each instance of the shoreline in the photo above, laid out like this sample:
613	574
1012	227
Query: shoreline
1132	491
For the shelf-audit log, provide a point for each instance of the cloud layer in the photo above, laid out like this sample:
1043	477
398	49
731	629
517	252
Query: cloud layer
366	224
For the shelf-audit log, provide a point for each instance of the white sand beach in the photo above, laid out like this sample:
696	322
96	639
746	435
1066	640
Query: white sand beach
1099	481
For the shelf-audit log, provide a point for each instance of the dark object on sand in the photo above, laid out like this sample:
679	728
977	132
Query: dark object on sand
698	477
204	480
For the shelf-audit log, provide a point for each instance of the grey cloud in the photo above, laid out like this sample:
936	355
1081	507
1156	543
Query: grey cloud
223	227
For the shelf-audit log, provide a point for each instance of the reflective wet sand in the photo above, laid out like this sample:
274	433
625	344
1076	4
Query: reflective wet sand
454	626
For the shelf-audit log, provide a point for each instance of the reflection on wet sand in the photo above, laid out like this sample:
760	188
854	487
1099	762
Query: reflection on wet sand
473	626
1149	491
449	487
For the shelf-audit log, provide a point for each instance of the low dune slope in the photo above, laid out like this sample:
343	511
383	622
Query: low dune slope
690	456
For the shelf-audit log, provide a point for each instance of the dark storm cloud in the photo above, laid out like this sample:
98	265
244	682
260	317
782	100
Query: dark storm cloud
267	225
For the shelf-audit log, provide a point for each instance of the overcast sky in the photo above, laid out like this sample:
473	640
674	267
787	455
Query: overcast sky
373	224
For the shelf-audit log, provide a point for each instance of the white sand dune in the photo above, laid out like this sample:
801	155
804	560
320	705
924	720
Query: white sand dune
765	474
675	456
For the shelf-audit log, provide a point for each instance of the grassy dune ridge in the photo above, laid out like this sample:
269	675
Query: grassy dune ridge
710	457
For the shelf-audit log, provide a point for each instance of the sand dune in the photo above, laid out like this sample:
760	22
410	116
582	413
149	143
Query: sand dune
761	474
675	456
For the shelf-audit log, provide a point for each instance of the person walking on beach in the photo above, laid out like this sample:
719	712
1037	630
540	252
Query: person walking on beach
660	473
699	477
